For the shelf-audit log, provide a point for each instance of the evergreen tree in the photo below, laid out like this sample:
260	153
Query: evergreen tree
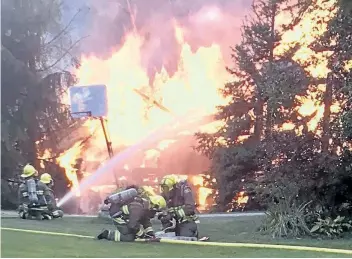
336	128
35	44
262	96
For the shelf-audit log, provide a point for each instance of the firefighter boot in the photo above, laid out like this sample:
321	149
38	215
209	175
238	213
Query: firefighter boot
103	235
46	216
57	214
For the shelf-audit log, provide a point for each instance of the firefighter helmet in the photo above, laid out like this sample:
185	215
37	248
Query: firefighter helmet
168	182
28	171
157	202
46	178
146	191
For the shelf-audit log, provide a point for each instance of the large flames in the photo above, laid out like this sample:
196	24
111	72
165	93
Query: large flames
139	103
193	87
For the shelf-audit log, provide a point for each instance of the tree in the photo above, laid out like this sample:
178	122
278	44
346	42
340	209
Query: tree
34	46
262	96
297	173
337	127
311	171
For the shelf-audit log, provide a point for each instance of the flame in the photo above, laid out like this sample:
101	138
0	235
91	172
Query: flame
306	32
46	155
67	160
183	92
239	201
203	192
128	84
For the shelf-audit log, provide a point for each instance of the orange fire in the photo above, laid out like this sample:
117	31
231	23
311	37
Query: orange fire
193	87
203	192
46	155
67	160
239	201
138	104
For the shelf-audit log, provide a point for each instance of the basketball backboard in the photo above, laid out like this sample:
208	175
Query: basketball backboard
90	100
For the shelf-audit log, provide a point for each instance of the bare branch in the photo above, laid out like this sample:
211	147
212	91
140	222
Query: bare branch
63	55
64	29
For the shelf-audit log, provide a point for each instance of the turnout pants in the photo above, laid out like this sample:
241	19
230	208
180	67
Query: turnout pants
122	233
187	229
38	212
57	214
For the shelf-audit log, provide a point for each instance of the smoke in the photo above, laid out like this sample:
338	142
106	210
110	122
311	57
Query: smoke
204	22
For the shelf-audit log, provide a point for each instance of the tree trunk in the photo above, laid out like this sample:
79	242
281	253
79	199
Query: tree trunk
271	42
327	113
258	112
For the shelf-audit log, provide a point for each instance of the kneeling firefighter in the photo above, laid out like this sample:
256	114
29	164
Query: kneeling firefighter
31	196
131	215
48	181
181	207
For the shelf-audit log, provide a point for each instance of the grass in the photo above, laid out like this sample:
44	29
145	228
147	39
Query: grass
241	229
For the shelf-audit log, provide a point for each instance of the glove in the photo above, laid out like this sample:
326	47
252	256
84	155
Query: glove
149	234
160	215
166	218
51	207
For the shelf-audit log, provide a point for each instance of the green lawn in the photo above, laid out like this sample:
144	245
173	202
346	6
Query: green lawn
219	229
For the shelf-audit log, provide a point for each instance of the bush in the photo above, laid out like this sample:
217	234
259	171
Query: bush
285	219
9	195
331	227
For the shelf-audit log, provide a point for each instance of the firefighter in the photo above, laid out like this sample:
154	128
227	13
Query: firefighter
48	181
181	207
132	219
31	195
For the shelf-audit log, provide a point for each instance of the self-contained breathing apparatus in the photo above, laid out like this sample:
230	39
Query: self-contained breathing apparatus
117	200
32	191
36	204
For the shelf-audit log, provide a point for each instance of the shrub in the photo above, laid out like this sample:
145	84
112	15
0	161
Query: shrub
285	219
331	227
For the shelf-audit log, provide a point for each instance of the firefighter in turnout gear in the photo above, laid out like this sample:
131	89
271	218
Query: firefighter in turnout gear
131	214
181	207
48	181
31	196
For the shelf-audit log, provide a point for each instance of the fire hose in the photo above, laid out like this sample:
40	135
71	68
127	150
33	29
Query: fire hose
162	235
219	244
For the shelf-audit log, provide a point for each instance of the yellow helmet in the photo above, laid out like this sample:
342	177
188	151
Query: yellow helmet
46	178
157	202
168	182
28	171
146	191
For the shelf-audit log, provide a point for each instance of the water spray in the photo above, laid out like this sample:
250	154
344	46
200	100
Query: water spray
118	158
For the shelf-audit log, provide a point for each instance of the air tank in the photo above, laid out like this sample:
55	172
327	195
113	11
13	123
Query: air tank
123	197
32	191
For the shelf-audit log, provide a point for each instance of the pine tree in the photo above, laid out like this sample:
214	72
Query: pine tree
262	96
337	128
34	42
337	41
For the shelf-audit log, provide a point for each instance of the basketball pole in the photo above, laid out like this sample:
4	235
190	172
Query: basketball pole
106	136
108	145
